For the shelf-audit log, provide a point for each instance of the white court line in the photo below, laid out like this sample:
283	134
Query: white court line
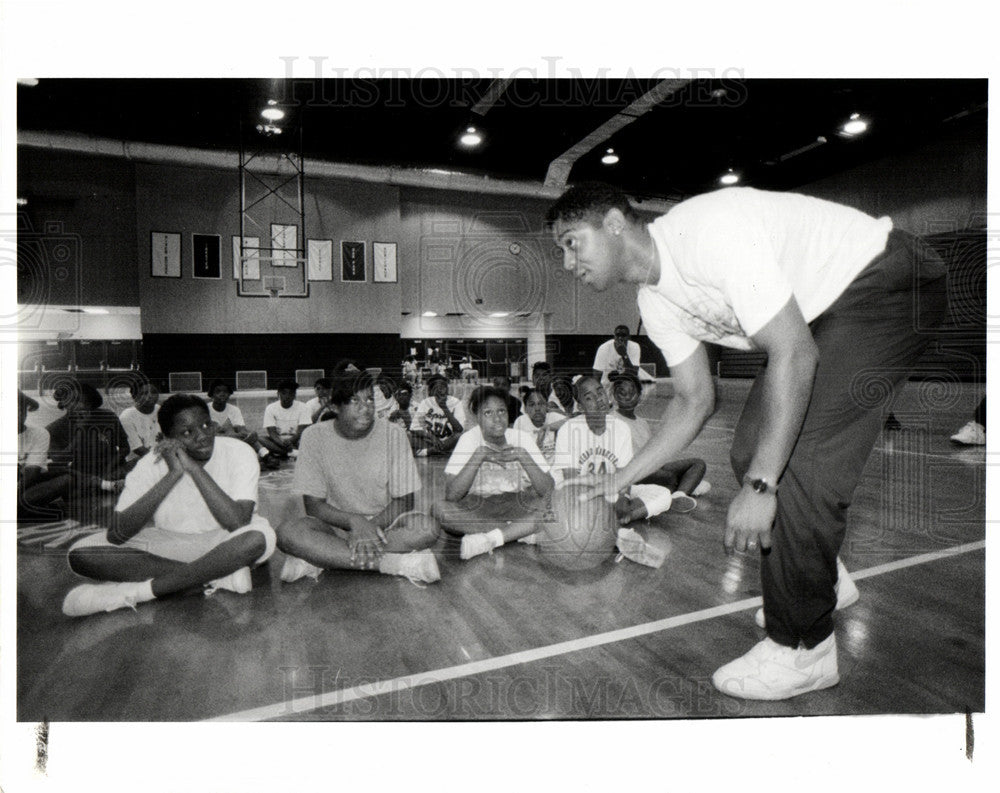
297	707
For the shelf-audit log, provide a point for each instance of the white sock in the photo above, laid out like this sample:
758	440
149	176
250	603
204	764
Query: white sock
263	452
496	537
144	591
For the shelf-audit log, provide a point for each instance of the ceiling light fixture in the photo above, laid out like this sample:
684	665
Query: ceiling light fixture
429	314
499	314
729	177
855	126
272	113
268	130
471	137
609	158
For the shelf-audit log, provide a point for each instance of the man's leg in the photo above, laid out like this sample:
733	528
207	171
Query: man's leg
869	340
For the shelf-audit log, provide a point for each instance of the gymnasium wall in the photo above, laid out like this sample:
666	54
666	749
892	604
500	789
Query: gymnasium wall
939	186
77	231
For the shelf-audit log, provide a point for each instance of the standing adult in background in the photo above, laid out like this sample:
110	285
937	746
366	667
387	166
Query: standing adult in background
617	354
836	298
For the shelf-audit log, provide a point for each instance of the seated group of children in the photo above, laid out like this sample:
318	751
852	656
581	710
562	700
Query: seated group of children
186	519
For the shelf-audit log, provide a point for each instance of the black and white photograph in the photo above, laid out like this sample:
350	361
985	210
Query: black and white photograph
660	422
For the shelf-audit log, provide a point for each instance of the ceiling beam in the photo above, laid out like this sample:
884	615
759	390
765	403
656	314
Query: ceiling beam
229	160
559	169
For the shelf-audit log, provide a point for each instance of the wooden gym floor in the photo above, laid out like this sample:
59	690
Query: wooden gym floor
502	637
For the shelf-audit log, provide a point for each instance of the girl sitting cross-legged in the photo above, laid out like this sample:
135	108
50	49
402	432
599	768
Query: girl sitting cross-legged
497	481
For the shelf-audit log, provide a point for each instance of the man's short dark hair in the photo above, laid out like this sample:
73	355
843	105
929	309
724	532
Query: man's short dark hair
136	386
174	405
589	201
434	378
622	329
215	384
541	365
345	385
322	382
287	385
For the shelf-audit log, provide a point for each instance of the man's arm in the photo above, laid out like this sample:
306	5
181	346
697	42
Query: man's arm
792	357
693	401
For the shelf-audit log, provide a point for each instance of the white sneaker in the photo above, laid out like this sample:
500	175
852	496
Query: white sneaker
703	487
92	598
773	671
633	547
238	582
972	434
682	502
475	545
847	593
295	568
420	567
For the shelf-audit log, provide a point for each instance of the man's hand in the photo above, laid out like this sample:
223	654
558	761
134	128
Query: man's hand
366	541
609	486
748	524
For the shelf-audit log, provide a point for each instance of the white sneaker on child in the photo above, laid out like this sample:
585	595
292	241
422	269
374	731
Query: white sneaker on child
295	568
633	547
92	598
476	545
238	582
772	671
420	567
682	502
703	487
847	593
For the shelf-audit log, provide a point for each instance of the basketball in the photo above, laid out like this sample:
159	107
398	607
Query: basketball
583	533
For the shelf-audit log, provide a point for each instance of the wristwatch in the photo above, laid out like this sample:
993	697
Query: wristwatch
760	485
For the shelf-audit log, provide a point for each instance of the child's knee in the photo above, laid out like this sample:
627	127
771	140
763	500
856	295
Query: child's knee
260	541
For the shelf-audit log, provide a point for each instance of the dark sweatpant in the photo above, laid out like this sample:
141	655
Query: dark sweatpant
869	340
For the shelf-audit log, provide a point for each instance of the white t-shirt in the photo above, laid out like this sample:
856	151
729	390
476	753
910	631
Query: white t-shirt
232	414
33	446
544	436
141	428
314	406
234	467
580	450
286	420
607	358
493	478
641	432
430	417
731	259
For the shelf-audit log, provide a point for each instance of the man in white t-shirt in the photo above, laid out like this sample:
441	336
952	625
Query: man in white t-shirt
139	421
32	459
186	519
837	300
284	422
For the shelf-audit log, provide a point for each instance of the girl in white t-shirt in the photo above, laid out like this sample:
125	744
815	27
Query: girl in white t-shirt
540	422
497	481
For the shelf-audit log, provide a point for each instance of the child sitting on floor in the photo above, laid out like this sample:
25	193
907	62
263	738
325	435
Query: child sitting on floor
684	478
184	520
540	422
497	481
284	422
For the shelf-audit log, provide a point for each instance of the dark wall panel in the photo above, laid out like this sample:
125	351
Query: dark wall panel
222	355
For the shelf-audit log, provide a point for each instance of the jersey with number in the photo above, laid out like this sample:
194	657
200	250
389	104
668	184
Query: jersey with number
580	450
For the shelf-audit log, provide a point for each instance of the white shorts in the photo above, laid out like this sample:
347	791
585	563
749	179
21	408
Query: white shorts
181	546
